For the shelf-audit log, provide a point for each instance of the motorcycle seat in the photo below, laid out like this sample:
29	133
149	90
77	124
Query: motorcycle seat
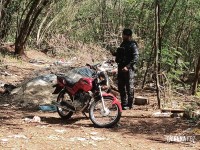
69	81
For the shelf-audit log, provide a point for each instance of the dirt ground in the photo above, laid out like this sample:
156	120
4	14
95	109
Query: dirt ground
137	129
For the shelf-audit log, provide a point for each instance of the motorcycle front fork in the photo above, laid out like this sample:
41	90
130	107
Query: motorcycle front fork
102	99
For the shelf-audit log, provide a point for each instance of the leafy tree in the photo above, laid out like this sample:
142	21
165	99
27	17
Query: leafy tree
26	22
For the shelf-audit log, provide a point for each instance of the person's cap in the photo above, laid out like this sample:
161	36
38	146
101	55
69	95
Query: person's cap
127	32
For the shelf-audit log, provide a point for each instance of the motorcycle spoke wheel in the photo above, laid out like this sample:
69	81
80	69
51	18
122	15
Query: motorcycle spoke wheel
63	113
107	118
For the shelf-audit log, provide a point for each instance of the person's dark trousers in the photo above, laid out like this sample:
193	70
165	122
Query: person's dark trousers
126	87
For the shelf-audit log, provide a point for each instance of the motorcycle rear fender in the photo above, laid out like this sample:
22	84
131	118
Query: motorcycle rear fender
115	100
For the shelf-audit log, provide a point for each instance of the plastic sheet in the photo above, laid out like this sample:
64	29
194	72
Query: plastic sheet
77	73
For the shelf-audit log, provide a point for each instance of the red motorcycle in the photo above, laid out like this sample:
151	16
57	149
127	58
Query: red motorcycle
86	95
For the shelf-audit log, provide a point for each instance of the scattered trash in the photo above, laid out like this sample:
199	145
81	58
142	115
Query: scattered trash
8	88
36	91
4	140
34	61
96	138
92	143
16	90
42	127
94	133
177	115
37	82
2	90
6	73
63	63
53	137
197	113
60	131
91	139
51	108
5	105
18	136
78	139
2	84
160	114
35	119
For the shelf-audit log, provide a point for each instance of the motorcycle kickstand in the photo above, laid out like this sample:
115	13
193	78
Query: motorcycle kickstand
85	115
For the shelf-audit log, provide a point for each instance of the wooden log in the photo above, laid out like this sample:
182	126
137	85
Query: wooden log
172	110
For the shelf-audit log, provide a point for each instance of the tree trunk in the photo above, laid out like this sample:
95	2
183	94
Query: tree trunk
148	65
5	18
159	37
103	20
19	49
27	25
157	46
168	17
197	74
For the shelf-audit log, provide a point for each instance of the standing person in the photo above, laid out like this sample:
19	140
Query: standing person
126	58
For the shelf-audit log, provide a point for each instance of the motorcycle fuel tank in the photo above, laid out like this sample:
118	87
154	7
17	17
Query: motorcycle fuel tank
84	84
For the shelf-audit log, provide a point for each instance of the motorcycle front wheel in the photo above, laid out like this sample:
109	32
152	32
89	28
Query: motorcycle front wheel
62	98
104	118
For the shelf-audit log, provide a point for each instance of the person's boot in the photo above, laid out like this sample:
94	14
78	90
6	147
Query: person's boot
124	105
130	103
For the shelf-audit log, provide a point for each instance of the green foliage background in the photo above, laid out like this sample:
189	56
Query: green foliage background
101	22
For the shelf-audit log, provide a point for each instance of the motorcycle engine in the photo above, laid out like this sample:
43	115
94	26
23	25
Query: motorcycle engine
80	99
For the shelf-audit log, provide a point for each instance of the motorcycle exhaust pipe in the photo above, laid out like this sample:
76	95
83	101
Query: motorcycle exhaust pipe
64	105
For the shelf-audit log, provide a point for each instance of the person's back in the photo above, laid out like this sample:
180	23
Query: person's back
127	53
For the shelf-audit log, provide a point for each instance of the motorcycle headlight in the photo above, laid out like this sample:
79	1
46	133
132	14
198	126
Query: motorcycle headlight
103	77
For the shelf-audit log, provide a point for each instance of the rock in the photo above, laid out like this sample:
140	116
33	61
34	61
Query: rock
139	100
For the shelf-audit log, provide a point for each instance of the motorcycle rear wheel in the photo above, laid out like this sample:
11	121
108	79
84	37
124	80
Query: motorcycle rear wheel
106	119
63	113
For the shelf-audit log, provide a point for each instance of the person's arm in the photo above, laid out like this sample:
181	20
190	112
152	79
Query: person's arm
113	52
134	55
